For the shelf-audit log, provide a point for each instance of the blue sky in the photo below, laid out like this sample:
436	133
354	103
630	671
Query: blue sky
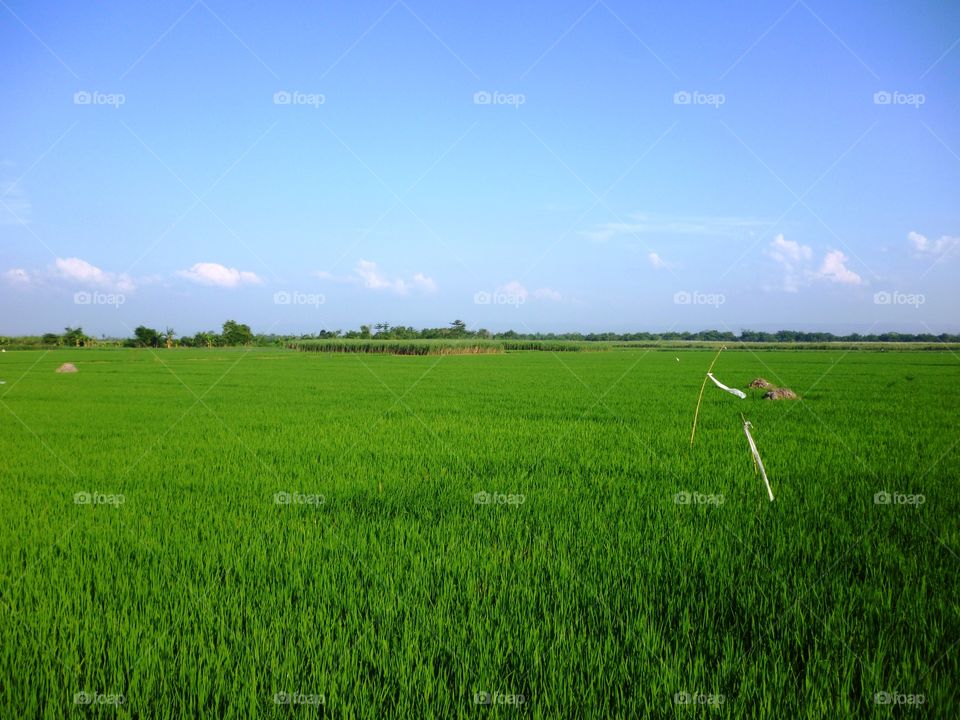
536	166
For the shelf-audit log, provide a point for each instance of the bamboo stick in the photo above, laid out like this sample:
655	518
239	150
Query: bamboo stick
756	456
700	398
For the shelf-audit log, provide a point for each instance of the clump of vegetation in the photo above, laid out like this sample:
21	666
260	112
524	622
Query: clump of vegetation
233	334
71	337
780	394
400	347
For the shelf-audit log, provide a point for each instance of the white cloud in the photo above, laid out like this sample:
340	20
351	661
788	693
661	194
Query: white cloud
17	276
369	275
375	280
74	272
792	256
657	262
215	274
80	271
796	261
789	251
834	269
424	283
516	289
924	246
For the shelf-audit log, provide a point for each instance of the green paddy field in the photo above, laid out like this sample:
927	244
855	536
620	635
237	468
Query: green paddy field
272	533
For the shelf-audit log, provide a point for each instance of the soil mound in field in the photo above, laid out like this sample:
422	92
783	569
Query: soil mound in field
780	394
761	383
67	368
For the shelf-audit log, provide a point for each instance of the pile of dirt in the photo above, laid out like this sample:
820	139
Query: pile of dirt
761	383
780	394
67	368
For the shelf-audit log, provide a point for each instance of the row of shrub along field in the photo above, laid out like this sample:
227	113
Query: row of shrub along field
476	347
552	345
398	347
639	577
788	346
442	347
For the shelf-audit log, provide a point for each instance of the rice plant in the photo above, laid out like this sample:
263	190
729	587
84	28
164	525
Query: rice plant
213	533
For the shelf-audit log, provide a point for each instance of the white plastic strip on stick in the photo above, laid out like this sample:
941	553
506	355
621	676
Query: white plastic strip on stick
756	457
733	391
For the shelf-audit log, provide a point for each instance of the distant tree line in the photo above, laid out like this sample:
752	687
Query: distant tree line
458	329
232	334
237	334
